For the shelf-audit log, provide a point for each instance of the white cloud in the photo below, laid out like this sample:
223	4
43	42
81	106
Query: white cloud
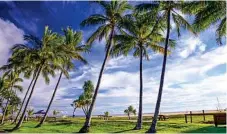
9	36
189	44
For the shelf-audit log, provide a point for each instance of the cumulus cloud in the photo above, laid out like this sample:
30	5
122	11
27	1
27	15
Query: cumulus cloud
189	44
9	36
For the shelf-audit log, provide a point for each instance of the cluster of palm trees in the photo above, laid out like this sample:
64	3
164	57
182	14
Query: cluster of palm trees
84	99
51	55
127	30
143	30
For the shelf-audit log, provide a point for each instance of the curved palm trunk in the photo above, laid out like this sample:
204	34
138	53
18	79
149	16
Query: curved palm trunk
86	126
4	112
158	103
74	111
26	94
52	98
29	98
140	113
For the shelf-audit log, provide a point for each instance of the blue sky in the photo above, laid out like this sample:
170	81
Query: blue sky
195	74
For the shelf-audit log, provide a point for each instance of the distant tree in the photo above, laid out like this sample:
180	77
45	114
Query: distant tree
130	111
106	115
30	112
84	100
55	112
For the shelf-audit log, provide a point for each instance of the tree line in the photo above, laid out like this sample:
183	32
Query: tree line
126	29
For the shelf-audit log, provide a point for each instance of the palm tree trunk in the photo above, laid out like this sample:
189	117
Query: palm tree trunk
74	111
86	126
4	112
84	111
29	98
140	113
6	107
26	94
158	103
52	98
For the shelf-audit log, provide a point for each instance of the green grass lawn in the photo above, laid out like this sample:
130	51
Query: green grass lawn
119	125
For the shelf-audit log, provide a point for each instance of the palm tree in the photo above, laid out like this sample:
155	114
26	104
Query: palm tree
208	13
139	35
30	112
39	55
130	110
166	10
66	52
85	99
11	79
25	96
17	63
15	101
107	28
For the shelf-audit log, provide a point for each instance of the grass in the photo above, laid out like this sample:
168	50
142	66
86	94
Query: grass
175	124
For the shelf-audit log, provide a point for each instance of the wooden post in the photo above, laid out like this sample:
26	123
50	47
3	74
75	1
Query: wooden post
204	119
191	116
185	116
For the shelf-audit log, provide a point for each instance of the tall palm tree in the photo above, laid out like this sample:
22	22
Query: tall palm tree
66	52
11	82
108	24
208	13
40	55
166	10
138	34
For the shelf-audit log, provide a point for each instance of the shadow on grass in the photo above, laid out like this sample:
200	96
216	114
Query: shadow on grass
122	131
6	131
61	122
209	129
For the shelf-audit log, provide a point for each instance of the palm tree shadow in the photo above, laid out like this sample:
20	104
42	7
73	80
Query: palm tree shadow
61	122
208	129
122	131
7	130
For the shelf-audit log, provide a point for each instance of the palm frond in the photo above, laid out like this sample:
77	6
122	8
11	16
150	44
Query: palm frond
94	20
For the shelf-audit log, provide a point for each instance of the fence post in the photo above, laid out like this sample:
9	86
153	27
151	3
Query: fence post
204	118
191	116
185	116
